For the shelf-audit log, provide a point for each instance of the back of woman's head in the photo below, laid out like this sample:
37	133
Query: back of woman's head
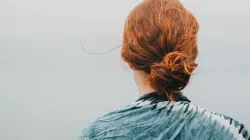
160	38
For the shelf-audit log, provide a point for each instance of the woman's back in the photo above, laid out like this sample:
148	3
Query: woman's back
160	46
154	117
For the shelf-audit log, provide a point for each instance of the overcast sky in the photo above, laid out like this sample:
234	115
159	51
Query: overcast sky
50	89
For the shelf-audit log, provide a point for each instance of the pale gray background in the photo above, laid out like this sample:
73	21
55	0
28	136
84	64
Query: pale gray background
50	89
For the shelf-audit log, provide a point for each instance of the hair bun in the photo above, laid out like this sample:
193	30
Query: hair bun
172	73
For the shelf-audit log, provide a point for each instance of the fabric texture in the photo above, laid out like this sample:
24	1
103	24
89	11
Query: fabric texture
153	117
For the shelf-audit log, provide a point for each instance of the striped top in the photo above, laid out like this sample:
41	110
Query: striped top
154	117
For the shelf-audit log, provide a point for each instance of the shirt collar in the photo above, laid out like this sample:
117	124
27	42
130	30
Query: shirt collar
154	95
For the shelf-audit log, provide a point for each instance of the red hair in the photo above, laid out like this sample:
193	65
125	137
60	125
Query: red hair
160	38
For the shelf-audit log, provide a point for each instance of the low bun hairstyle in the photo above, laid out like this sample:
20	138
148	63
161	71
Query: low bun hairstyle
172	73
160	38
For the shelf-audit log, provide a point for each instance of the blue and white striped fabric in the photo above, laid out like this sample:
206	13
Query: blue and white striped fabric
153	117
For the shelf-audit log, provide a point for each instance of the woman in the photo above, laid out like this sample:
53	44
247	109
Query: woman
160	45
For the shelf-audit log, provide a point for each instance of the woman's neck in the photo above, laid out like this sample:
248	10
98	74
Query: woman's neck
140	78
145	90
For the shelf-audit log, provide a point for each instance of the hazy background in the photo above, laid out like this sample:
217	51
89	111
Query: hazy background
50	89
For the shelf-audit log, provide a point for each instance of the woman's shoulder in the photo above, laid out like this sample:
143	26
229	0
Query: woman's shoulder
215	125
